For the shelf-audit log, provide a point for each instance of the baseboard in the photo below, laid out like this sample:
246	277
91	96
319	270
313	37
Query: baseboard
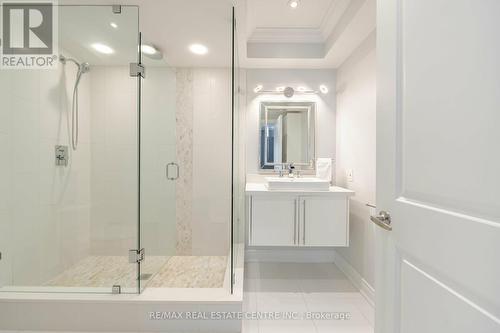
289	254
364	287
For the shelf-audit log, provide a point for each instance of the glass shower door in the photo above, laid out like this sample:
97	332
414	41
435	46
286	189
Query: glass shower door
159	169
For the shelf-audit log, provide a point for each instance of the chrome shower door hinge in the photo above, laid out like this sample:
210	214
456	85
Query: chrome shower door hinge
135	256
117	9
137	69
116	289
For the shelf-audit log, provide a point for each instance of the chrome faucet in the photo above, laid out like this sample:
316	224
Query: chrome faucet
280	168
291	168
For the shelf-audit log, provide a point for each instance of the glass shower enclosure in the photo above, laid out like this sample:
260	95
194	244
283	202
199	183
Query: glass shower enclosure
69	171
93	180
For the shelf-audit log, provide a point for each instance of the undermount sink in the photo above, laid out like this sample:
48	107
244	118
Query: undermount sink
286	183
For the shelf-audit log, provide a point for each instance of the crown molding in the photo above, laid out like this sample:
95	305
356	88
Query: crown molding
286	35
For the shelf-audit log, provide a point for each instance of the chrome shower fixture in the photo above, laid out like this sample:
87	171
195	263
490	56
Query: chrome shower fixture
83	68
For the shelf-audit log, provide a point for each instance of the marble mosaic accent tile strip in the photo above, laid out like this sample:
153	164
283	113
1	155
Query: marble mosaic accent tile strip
184	156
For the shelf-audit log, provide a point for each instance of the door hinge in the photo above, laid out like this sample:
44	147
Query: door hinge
135	256
117	9
137	69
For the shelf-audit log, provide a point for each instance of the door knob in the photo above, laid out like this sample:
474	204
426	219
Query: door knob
383	220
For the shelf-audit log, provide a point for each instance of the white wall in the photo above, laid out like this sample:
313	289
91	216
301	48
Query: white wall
356	150
272	78
44	208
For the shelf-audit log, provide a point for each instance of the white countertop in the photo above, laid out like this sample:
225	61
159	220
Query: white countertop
261	188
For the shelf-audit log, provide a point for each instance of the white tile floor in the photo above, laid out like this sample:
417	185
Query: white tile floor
301	288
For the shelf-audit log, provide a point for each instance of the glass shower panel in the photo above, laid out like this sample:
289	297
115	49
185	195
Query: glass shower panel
238	171
68	162
186	156
159	168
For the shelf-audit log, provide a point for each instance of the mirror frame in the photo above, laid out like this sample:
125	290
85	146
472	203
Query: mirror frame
307	106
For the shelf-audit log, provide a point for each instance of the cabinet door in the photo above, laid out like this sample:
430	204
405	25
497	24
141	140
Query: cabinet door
324	221
272	220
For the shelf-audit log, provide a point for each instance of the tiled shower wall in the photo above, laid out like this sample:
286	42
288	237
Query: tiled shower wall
203	193
44	208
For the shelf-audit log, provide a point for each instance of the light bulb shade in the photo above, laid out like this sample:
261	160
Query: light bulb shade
257	88
289	92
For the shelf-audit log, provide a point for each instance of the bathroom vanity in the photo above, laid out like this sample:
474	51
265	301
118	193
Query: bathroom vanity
297	217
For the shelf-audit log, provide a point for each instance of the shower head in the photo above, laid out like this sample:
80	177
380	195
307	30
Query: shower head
82	68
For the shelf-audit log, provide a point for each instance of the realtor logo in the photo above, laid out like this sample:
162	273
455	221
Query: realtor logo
29	38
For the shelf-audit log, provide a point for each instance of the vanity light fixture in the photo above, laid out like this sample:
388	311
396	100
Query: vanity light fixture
285	90
257	88
293	3
102	48
198	49
323	89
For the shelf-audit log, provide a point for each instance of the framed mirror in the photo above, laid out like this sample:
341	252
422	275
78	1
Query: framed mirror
286	134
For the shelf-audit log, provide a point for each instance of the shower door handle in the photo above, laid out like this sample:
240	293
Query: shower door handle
169	166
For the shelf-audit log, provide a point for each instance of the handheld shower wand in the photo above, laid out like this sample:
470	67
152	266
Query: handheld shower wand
82	69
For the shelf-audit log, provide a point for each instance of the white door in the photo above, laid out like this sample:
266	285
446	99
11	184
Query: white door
438	166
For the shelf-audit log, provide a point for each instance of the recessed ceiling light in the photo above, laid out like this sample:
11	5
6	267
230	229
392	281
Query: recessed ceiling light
113	25
148	49
280	89
198	49
293	3
323	89
257	88
101	48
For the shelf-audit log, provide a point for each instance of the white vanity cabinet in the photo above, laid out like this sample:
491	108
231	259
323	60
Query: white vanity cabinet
273	220
325	221
283	218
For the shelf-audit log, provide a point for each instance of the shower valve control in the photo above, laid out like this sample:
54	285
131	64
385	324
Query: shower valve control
61	155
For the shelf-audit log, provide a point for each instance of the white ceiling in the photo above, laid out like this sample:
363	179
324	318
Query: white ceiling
317	34
82	26
270	34
276	13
